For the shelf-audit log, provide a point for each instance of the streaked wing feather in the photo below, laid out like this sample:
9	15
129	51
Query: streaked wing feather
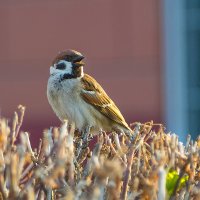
94	94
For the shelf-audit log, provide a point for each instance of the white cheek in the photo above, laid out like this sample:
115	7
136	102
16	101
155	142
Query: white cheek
68	65
52	70
68	69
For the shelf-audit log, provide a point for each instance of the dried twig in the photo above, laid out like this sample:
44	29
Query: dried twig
66	166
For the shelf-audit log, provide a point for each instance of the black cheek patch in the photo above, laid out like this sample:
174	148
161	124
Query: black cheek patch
60	66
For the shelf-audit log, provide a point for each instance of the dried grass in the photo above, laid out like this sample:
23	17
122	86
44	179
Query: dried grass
65	166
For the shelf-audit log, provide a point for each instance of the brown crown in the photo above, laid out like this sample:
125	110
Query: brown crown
68	55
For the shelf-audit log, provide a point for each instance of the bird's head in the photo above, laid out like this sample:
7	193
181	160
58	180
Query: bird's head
68	62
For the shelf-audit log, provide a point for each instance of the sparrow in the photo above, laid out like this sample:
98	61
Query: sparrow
79	98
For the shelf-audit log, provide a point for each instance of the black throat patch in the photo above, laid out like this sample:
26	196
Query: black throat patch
75	74
67	76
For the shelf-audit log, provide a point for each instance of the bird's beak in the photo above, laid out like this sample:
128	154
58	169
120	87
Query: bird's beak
77	62
78	58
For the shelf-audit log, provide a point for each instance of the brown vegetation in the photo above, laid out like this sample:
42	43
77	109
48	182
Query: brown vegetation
66	166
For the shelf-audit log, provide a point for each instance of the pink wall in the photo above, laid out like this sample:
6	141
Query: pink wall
120	41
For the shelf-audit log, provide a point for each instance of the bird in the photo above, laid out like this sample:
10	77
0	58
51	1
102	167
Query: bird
78	98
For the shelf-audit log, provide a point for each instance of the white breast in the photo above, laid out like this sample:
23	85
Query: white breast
65	99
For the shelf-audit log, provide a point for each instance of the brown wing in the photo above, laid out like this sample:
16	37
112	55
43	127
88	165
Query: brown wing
94	94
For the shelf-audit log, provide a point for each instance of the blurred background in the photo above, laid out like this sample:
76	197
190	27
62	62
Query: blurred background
145	54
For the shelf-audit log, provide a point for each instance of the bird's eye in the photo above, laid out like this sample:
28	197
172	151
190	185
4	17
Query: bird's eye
60	66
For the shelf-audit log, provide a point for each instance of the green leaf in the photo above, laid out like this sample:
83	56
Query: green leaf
171	180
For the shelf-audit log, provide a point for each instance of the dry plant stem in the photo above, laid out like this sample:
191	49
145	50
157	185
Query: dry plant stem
83	143
41	195
31	194
87	171
188	143
3	189
28	143
19	124
26	171
71	162
127	174
26	186
49	194
39	148
116	167
83	156
161	183
14	125
14	189
138	160
187	197
117	142
114	151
